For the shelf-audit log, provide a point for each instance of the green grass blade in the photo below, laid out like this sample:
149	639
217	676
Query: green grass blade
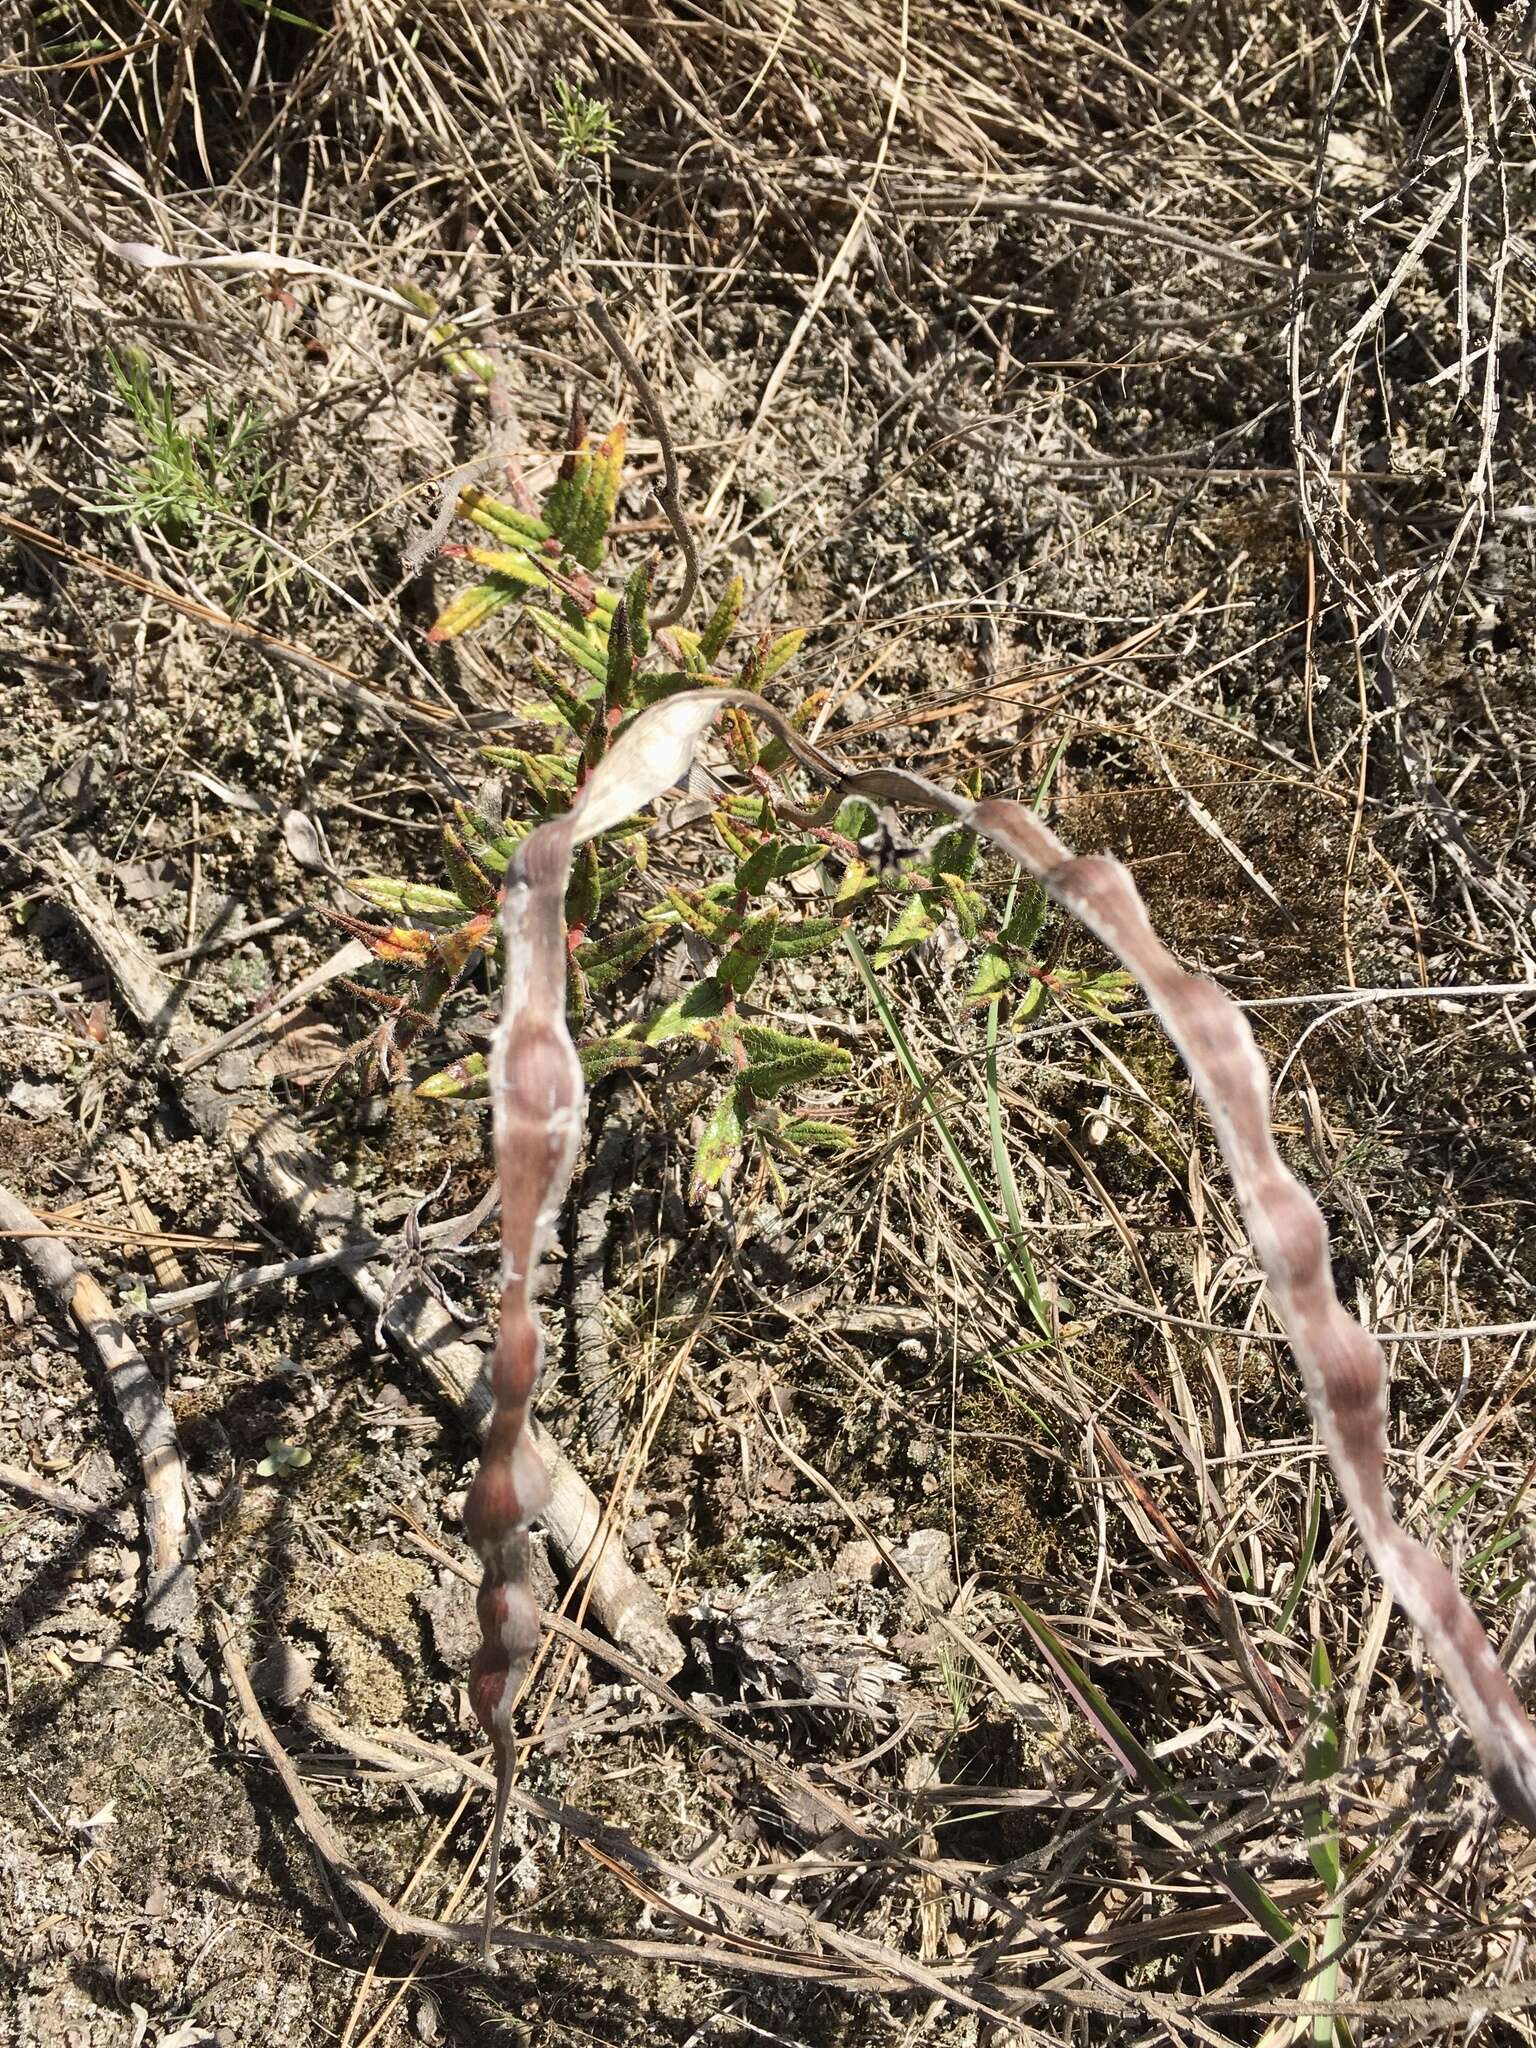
1016	1260
1144	1769
1304	1562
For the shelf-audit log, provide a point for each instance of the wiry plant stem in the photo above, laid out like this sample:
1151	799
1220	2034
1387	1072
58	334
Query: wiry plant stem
670	494
537	1103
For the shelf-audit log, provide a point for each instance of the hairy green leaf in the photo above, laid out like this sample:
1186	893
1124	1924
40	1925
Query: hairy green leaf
793	1069
604	960
742	964
472	607
758	869
411	899
806	935
464	1080
689	1017
507	522
720	1145
575	708
601	1056
476	889
1027	916
815	1134
993	975
722	621
915	923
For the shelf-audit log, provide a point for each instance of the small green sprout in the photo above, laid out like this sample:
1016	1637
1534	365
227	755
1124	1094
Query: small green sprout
585	130
207	487
283	1460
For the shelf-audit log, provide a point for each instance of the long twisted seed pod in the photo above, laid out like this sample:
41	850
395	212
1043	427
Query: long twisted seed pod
537	1102
536	1096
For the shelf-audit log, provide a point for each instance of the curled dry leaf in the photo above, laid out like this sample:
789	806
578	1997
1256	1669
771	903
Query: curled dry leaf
302	838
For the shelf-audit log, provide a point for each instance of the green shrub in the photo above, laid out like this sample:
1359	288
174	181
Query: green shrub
793	882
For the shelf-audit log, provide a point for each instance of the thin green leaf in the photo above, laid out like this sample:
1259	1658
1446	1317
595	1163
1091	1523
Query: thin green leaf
781	652
1287	1613
1020	1271
586	649
472	607
507	522
1144	1769
720	1145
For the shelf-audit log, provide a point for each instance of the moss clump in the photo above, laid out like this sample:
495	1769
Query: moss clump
366	1615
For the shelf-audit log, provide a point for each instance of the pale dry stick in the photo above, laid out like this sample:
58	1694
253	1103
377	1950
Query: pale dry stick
170	1587
1269	159
1435	220
1213	830
1478	507
958	701
65	1223
537	1095
183	85
982	199
217	941
346	960
311	567
167	1268
1303	449
451	1232
395	713
648	1872
147	256
1345	998
435	1763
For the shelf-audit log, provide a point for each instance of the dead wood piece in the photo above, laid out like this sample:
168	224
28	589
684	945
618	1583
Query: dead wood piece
62	1499
171	1531
152	996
